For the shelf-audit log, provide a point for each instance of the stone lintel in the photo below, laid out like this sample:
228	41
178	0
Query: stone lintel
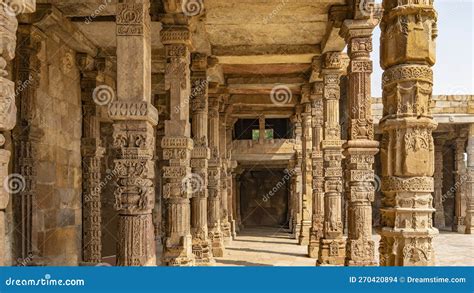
53	23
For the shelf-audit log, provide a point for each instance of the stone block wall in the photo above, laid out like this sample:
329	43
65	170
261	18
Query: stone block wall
58	161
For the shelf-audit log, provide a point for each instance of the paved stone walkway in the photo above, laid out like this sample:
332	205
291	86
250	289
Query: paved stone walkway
274	247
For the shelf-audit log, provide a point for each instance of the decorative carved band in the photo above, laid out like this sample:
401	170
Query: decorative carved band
413	184
402	73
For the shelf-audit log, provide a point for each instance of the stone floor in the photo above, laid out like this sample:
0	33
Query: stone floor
274	247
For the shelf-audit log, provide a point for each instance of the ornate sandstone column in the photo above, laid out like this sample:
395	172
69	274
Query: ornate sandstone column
92	153
407	150
316	232
225	171
470	182
439	219
331	247
177	143
133	136
460	183
199	161
26	136
298	179
214	186
8	28
361	148
307	140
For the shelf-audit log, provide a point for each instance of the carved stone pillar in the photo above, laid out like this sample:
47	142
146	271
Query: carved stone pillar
470	182
231	195
214	185
199	161
460	182
439	218
235	202
298	180
8	110
92	153
331	247
292	198
134	136
307	147
316	232
407	150
225	171
26	137
361	148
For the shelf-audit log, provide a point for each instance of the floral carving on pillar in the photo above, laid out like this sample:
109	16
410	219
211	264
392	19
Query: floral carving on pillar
134	137
316	232
331	247
361	148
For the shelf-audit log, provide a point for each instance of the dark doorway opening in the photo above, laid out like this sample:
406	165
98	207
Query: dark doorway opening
264	198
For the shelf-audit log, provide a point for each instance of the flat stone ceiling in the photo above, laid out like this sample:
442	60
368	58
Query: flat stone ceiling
271	22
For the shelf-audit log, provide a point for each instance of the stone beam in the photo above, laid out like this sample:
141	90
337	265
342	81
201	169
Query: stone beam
53	23
265	69
261	89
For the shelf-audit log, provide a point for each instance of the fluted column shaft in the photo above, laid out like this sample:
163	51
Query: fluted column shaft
361	148
331	248
407	150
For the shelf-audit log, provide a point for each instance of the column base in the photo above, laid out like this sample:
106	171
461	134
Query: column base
332	252
313	249
360	253
202	253
296	231
226	232
217	243
469	223
407	248
178	253
303	238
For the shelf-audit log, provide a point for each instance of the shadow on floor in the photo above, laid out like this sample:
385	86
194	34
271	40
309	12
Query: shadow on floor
263	241
239	263
268	251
